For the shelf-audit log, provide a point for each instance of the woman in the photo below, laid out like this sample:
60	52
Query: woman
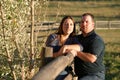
63	40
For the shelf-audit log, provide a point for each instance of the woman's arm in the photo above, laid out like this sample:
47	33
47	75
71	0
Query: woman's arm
64	49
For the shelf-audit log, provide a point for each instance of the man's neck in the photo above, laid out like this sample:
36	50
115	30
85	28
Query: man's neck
86	34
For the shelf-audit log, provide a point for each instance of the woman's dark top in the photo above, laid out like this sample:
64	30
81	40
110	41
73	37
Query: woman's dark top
53	41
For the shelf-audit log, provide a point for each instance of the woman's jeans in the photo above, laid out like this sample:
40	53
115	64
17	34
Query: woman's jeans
62	75
93	76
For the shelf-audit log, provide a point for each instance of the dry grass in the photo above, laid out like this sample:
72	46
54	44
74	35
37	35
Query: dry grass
107	10
112	39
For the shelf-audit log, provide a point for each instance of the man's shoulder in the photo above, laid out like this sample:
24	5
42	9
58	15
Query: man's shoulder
95	36
98	38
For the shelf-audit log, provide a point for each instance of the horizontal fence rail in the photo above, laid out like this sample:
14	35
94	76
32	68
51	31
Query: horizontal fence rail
46	27
107	24
52	69
99	25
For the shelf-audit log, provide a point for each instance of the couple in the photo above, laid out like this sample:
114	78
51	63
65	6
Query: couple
87	48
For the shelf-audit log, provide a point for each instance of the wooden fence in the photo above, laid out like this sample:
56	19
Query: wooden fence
107	24
41	28
98	24
51	68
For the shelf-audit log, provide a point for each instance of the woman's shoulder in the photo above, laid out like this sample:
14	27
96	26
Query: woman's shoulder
52	40
53	35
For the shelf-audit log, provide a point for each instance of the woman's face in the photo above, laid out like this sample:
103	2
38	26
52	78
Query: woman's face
68	27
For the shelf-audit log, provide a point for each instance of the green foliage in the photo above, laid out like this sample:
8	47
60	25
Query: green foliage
15	40
13	36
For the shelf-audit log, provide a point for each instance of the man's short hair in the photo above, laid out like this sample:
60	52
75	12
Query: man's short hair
88	14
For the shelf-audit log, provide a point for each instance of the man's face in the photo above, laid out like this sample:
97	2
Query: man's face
87	24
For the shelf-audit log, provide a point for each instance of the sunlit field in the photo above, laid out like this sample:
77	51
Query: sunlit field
103	10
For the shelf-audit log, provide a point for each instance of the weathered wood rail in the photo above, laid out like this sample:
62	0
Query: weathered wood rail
52	67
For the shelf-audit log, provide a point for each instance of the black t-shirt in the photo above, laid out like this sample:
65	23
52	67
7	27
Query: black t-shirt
93	44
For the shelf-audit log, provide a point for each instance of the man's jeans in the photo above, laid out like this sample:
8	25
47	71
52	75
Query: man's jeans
94	76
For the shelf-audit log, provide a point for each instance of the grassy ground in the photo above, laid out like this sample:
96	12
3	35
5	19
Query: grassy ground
112	52
111	38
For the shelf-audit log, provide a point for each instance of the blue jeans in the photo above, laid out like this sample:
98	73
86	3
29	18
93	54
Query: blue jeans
93	76
62	75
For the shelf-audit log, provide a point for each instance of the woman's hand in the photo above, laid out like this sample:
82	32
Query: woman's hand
63	49
74	52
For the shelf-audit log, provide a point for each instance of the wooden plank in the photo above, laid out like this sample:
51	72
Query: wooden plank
46	55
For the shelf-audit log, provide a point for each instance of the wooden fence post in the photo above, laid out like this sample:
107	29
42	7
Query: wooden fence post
46	55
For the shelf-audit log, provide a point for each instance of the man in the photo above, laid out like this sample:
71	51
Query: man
89	63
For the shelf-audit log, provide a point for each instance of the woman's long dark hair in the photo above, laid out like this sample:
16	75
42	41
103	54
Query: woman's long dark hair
60	30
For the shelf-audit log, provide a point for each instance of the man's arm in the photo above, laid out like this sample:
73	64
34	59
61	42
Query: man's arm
66	48
88	57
